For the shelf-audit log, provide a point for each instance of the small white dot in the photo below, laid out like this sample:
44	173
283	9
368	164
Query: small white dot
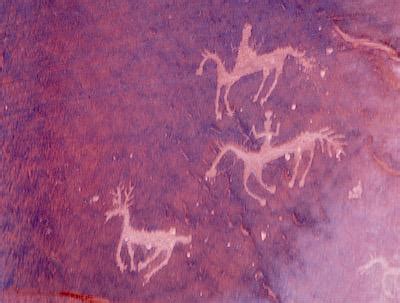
322	73
228	244
131	156
188	254
329	50
293	107
263	235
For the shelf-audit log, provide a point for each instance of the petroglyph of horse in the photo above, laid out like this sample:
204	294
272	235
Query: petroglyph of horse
390	281
255	161
160	244
249	62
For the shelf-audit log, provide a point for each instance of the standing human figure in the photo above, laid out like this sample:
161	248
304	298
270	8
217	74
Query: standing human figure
267	134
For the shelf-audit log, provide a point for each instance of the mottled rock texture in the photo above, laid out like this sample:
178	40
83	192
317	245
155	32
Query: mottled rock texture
94	94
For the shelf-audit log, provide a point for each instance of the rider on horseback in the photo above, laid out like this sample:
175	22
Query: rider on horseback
246	54
267	134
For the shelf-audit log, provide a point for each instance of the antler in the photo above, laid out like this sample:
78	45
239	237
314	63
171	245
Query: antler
205	53
122	195
333	142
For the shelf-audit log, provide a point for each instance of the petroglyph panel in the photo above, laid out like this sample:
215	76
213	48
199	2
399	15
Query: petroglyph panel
98	93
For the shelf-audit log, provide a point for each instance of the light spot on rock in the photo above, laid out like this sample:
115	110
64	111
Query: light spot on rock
94	199
263	235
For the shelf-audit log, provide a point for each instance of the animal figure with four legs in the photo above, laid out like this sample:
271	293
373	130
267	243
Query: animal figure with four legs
249	62
159	243
255	161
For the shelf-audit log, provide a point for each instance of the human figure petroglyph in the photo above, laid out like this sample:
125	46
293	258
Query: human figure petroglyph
249	62
159	243
390	281
267	134
246	53
255	161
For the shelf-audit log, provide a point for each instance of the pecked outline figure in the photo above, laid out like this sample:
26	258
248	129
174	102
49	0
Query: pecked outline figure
160	243
248	61
255	161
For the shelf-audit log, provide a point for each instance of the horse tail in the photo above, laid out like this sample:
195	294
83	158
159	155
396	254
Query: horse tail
207	55
236	150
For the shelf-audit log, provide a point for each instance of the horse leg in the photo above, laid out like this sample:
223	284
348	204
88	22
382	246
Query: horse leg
218	113
303	178
131	253
227	105
297	158
246	175
278	73
270	188
265	75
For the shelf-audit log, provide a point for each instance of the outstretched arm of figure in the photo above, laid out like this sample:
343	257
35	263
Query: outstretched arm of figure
258	135
255	133
278	127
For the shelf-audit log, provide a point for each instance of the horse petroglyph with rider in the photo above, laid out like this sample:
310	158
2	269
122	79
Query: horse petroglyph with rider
248	62
256	161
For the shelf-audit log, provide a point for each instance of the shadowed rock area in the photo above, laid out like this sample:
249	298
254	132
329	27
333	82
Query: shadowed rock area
125	177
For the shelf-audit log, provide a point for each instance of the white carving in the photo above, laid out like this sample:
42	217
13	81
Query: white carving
159	243
249	62
390	281
255	161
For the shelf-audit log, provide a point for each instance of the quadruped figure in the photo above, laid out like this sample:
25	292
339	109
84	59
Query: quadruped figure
256	161
158	243
248	61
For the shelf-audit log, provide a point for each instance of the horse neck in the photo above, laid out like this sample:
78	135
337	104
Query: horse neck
218	62
237	150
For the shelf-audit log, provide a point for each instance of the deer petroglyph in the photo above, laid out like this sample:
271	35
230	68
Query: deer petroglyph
390	281
249	62
160	244
255	161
